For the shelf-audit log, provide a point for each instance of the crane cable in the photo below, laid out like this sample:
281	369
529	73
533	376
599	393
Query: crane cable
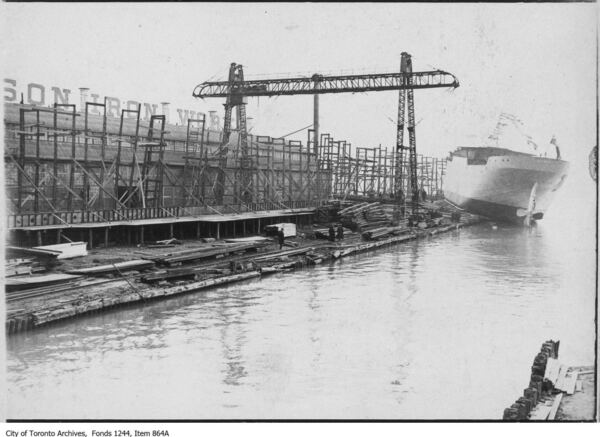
296	131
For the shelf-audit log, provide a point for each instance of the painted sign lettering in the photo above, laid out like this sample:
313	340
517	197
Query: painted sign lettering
40	95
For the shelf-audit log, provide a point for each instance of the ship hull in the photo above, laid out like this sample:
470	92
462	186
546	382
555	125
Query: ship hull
501	186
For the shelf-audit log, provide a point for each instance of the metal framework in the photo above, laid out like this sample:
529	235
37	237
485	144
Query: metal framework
319	84
65	168
236	89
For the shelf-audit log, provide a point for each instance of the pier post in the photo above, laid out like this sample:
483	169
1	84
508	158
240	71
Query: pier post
105	237
170	230
91	238
198	230
218	231
39	238
141	235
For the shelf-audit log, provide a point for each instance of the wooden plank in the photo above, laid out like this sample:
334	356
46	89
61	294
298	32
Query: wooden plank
35	281
67	250
247	239
560	380
541	412
570	381
19	261
169	274
137	264
32	251
555	406
552	368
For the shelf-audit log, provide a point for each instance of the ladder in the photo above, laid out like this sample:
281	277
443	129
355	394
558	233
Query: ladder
121	191
194	156
152	166
89	139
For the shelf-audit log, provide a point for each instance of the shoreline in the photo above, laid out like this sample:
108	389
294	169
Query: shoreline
34	308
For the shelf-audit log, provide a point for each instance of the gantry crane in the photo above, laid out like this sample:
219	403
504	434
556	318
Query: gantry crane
236	89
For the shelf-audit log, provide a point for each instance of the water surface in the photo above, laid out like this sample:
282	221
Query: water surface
440	328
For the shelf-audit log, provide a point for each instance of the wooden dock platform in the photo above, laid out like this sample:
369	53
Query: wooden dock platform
205	265
556	392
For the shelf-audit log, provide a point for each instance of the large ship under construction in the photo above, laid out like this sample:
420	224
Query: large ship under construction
503	184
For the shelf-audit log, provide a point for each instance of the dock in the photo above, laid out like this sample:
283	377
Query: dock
556	392
110	277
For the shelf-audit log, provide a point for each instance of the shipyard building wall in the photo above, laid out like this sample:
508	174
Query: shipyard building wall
66	167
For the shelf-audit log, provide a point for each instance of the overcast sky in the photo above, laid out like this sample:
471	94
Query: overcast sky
534	61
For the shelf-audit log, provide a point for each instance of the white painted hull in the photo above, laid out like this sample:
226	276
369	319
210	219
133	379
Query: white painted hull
503	184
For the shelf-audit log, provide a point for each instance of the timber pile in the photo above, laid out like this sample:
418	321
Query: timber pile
370	219
364	215
386	231
172	259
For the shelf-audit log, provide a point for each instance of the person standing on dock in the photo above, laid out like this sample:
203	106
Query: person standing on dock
331	233
280	237
340	232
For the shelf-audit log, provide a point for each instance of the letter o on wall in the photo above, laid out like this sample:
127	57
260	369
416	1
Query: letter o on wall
33	99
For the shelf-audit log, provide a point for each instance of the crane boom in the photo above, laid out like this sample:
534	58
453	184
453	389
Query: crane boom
320	84
236	89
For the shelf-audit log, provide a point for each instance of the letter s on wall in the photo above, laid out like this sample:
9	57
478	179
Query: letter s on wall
12	92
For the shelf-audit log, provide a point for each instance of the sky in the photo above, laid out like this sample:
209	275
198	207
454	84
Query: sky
536	61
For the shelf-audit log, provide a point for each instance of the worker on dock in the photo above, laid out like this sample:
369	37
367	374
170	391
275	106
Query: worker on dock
331	233
340	232
280	237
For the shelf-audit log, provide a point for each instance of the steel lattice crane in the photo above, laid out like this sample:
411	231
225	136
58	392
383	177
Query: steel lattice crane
236	89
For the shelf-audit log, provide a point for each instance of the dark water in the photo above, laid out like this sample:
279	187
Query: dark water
440	328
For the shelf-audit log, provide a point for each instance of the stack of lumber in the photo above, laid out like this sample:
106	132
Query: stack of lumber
35	281
283	254
201	253
386	231
169	274
22	266
364	215
136	264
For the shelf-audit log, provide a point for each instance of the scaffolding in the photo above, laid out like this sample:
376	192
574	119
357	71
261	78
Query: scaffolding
64	167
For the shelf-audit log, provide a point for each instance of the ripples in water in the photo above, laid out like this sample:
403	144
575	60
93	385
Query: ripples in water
412	331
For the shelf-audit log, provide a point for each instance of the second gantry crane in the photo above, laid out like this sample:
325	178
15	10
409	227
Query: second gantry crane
236	89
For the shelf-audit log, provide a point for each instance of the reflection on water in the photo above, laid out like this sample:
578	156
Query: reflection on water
443	328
